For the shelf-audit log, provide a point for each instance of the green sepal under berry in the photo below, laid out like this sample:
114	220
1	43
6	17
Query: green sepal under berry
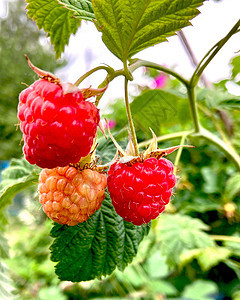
96	247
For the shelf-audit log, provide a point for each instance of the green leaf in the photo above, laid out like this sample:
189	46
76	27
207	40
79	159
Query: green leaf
107	150
200	289
96	247
129	26
212	256
156	108
6	284
156	266
18	168
3	218
218	99
233	246
3	247
162	287
178	233
206	257
17	177
57	21
82	8
51	293
130	276
210	180
234	265
232	187
199	204
236	295
235	66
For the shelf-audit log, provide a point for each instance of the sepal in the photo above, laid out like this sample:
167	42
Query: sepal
43	74
128	157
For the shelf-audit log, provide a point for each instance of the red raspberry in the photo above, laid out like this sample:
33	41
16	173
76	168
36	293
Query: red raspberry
69	196
58	128
140	191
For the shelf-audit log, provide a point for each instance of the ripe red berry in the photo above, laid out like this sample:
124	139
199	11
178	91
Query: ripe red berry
69	196
140	191
58	128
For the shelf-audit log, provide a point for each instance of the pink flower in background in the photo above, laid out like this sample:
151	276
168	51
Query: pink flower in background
159	81
111	123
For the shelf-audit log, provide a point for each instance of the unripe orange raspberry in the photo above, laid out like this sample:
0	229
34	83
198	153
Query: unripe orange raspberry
70	196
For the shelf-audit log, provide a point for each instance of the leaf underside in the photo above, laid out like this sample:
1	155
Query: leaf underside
57	21
129	26
96	247
82	8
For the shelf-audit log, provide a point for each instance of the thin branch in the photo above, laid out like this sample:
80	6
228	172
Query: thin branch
192	57
211	54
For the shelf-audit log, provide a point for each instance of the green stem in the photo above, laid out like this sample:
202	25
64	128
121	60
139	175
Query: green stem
179	153
211	53
109	78
228	149
130	120
106	68
217	124
127	71
193	108
225	238
136	63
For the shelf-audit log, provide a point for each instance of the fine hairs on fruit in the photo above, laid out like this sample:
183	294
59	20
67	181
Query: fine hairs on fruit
141	190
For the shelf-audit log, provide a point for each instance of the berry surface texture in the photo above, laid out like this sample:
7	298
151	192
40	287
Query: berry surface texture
58	128
69	196
140	191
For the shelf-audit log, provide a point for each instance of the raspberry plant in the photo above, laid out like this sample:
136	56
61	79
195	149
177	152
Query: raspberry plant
109	237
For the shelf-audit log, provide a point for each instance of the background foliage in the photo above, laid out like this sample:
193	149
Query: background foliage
18	36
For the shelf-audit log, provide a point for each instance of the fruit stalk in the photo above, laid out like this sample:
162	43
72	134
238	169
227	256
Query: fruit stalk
193	108
130	120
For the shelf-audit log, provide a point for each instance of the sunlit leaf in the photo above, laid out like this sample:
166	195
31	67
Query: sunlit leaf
57	21
211	256
178	233
129	26
232	187
82	8
200	289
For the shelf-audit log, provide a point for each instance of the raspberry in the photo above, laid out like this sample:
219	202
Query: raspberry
69	196
58	128
140	191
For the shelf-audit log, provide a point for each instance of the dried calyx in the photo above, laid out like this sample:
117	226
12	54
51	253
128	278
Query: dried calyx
90	161
67	87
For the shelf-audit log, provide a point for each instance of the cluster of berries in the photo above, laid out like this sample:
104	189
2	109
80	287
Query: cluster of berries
59	126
